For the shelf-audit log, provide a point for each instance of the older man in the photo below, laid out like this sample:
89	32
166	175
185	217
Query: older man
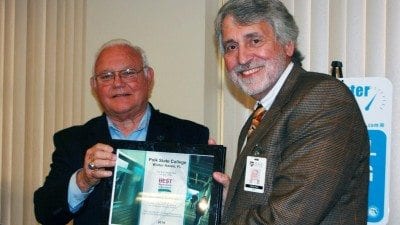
303	156
78	186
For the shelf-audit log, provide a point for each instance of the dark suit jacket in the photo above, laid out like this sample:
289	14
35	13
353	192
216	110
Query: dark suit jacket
317	149
51	203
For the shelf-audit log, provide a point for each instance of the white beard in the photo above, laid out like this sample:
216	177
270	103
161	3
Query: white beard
259	83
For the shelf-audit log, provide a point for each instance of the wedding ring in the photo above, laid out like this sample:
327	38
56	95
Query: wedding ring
91	166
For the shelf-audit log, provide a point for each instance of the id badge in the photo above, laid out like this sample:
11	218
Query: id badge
254	180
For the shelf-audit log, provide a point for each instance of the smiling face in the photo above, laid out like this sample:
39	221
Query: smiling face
254	58
122	100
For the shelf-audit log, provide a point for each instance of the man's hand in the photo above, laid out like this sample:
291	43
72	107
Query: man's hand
97	158
223	179
211	141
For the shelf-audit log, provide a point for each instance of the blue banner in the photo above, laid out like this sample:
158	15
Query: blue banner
374	97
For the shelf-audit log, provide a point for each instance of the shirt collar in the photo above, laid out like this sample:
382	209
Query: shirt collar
139	133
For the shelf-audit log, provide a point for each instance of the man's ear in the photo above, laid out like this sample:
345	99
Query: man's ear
93	83
289	49
150	76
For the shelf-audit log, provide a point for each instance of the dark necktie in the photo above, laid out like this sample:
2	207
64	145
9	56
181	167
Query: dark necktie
258	114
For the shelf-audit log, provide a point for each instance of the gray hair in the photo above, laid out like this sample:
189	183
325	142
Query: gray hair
247	12
123	42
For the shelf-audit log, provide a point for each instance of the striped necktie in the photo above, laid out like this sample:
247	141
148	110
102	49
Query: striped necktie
258	114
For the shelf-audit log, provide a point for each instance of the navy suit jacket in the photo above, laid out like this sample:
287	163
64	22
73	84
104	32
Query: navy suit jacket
51	200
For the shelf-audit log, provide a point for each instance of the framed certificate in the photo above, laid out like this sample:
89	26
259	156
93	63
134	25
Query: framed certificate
165	183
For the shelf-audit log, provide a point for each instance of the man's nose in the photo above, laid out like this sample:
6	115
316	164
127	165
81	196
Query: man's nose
244	55
117	78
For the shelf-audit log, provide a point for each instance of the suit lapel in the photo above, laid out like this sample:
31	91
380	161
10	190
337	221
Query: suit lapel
157	128
284	97
262	130
243	135
98	131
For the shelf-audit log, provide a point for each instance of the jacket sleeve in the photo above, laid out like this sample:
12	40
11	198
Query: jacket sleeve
51	200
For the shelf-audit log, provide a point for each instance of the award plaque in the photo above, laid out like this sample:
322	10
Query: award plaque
166	183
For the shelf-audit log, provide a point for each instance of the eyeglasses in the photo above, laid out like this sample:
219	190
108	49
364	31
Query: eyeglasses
126	75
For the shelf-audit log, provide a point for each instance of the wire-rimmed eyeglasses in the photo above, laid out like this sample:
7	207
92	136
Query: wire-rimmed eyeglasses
126	75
